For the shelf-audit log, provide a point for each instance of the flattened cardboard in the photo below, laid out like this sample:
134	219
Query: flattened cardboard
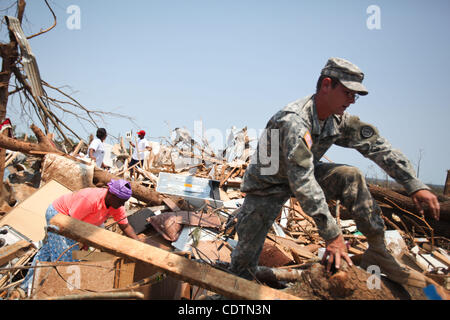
74	278
29	216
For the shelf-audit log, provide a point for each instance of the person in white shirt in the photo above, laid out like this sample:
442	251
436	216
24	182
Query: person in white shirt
96	149
139	152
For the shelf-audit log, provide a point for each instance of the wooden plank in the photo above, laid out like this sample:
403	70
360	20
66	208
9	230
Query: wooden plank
274	255
223	195
355	251
291	245
227	177
14	250
179	267
441	257
77	148
100	296
436	254
11	158
16	268
236	183
159	208
171	204
222	172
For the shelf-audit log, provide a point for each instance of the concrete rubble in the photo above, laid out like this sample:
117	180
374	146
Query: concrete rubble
184	206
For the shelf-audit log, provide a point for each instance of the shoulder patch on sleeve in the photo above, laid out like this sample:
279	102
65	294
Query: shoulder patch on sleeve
367	132
308	139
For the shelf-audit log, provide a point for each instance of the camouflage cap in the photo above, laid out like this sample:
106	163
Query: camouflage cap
348	74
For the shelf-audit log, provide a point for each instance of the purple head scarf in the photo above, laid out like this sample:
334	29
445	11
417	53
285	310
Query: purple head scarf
120	188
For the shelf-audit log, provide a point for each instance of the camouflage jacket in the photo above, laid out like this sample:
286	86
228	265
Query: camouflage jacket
285	158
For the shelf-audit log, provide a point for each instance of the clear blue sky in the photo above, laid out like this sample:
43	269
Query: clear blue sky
236	62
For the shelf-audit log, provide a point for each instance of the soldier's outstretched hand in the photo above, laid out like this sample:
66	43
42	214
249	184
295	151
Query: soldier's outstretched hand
336	250
426	197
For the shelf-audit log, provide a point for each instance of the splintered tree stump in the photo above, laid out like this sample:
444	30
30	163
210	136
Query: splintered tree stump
350	283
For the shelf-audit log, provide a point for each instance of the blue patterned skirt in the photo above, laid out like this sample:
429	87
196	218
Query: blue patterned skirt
54	245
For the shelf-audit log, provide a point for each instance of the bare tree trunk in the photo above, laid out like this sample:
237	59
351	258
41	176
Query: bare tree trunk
381	194
9	54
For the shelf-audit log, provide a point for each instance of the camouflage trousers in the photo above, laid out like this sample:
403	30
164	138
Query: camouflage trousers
257	214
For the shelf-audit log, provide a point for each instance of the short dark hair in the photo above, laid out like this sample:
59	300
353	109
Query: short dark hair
101	133
334	82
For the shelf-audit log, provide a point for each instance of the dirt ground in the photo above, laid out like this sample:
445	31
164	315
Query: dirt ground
351	283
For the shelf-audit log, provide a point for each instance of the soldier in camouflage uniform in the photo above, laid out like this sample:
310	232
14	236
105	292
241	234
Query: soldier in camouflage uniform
296	138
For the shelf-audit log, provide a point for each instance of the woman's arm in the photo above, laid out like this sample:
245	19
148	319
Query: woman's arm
129	231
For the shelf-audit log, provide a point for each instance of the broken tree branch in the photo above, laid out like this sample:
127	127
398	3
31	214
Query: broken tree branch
48	29
405	202
179	267
44	144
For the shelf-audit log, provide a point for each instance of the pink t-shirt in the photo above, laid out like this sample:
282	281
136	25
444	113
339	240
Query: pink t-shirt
88	205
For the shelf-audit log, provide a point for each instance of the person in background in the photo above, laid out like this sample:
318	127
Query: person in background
96	149
91	205
138	155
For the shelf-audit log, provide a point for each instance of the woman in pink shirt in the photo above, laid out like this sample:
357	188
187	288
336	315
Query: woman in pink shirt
91	205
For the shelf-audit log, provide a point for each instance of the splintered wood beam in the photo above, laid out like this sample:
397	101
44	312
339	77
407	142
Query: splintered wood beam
194	272
171	204
14	250
77	148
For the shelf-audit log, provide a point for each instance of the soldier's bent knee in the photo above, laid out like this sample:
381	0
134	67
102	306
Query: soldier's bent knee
351	173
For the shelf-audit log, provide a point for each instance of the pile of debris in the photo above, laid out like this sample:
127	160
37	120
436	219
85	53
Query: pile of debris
184	201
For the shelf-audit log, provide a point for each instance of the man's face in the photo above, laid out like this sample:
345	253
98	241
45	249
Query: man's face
340	98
